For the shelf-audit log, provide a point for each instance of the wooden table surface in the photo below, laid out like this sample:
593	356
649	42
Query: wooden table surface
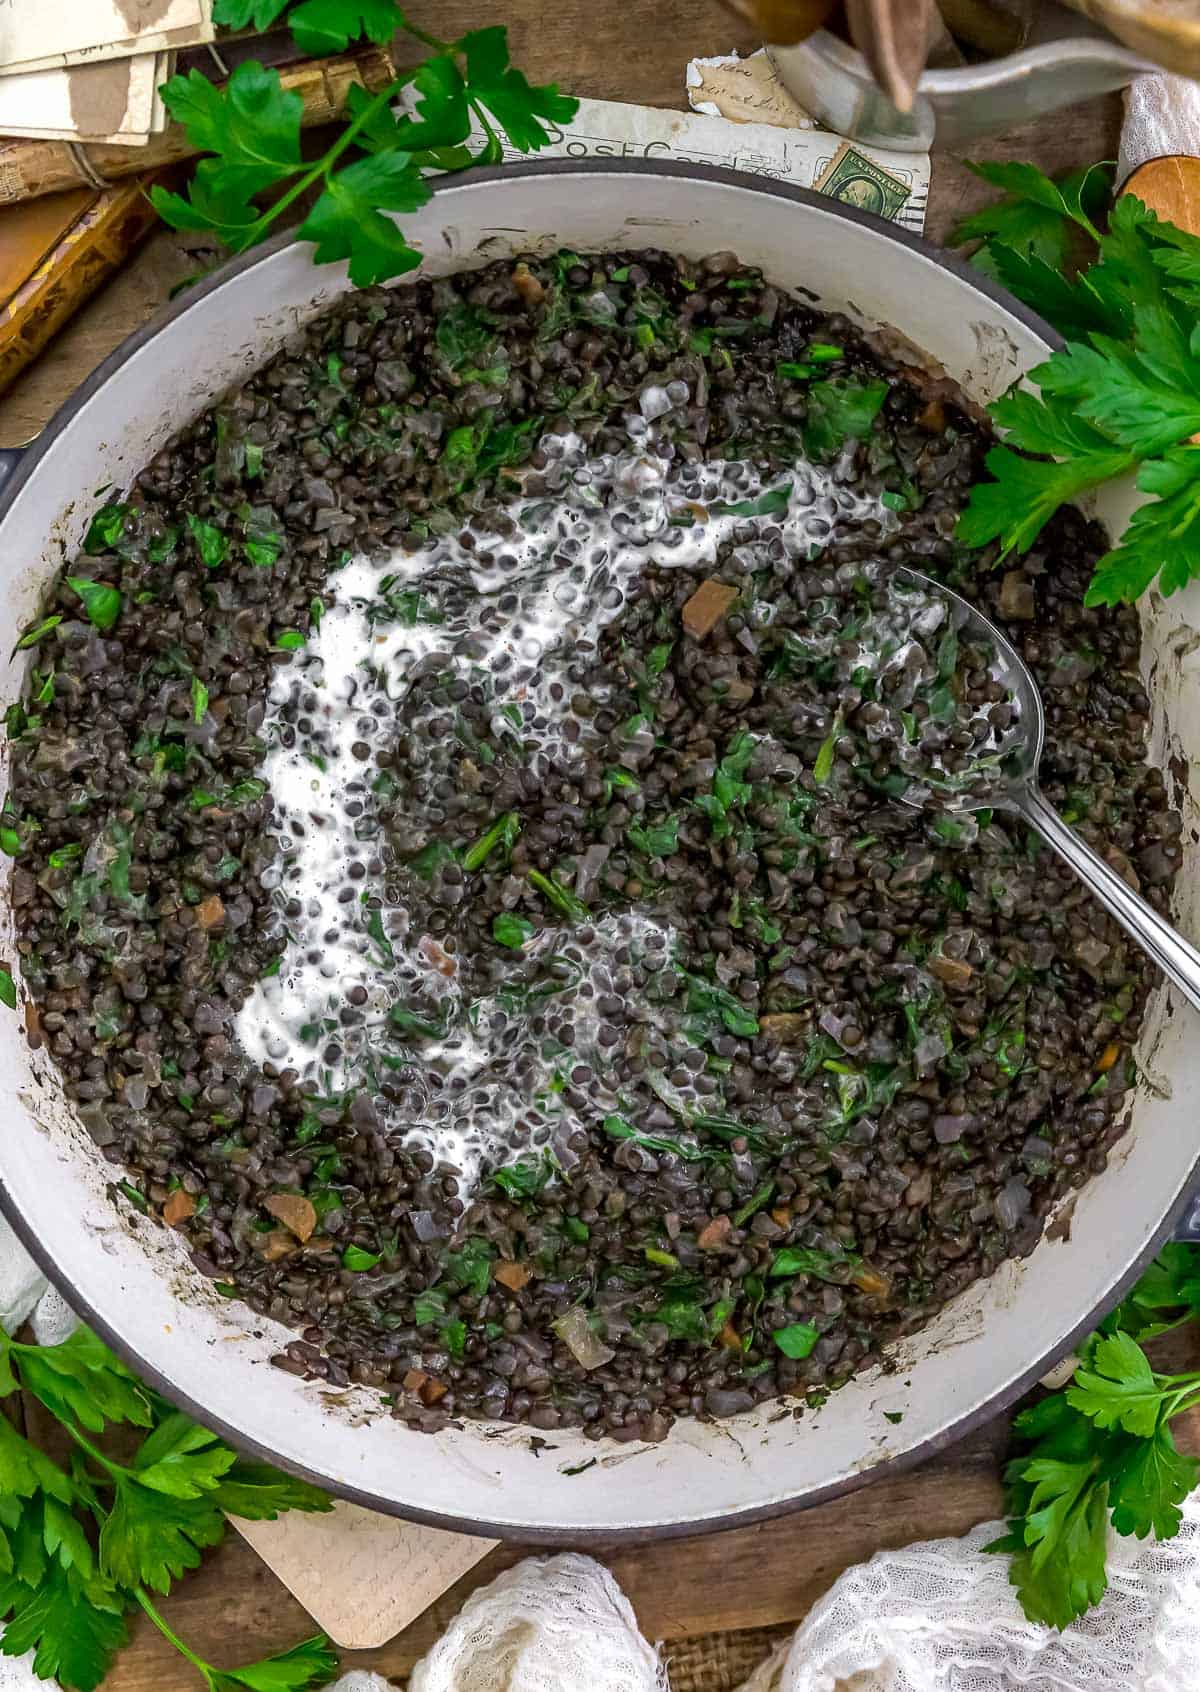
233	1608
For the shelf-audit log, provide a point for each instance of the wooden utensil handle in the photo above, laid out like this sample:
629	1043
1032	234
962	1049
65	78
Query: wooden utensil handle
1170	186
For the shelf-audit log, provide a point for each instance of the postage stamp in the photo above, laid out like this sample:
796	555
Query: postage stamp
859	181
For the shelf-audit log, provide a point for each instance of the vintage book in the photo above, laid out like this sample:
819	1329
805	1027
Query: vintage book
29	232
99	238
30	168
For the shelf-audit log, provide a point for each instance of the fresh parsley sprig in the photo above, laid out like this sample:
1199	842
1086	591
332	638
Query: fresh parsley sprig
84	1543
251	127
1122	397
1101	1451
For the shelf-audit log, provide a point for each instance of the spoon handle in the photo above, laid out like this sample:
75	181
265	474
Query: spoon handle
1175	956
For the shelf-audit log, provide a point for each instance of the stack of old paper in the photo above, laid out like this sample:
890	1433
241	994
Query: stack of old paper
90	70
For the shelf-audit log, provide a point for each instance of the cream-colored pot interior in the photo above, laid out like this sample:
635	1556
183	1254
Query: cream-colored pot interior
132	1276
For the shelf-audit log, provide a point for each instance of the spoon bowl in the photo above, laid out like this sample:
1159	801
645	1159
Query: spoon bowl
1021	750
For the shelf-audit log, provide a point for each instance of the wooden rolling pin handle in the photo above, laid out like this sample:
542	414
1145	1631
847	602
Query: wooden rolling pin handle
1170	186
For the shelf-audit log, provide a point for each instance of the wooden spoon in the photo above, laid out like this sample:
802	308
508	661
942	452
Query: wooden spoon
995	27
1167	31
783	22
893	37
1170	187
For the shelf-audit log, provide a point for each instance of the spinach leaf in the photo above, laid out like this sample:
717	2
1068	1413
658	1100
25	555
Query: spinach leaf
839	410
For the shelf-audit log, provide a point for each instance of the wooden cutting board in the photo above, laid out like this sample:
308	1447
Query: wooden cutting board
1171	187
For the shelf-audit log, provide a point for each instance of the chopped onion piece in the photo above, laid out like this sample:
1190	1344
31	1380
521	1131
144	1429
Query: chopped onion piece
582	1343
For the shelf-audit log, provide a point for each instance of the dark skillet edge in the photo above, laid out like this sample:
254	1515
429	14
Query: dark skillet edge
593	1538
10	457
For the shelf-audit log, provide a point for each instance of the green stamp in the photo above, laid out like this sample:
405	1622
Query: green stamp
858	181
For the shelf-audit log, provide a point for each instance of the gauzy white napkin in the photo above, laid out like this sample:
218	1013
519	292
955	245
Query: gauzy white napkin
1162	116
937	1617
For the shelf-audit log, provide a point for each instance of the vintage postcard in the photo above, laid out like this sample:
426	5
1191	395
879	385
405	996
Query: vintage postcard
114	101
745	90
49	33
811	158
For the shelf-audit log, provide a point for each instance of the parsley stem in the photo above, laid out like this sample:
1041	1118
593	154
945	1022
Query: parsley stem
114	1469
143	1598
1185	1397
493	152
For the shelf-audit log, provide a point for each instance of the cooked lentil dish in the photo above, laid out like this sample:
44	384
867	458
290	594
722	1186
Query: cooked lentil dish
489	859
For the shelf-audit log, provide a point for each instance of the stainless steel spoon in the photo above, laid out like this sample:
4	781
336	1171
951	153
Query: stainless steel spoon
1022	753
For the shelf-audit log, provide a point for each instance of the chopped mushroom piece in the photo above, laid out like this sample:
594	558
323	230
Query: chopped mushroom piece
714	1234
514	1276
790	1028
294	1211
951	971
426	1387
871	1281
1092	953
278	1243
1017	602
210	912
179	1206
706	607
527	285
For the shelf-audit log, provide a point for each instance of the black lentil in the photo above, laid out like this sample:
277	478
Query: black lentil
882	1050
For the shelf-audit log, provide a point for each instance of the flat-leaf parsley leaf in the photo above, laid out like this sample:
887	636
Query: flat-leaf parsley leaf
66	1588
250	131
1101	1450
1122	396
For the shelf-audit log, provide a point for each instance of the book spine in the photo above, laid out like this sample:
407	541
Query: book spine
96	244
